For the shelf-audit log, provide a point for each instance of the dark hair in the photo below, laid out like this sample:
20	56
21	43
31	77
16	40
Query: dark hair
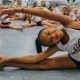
50	7
39	35
24	17
38	46
29	20
67	7
38	42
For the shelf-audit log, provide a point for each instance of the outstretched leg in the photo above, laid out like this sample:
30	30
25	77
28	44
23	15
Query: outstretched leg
47	23
58	62
15	27
29	24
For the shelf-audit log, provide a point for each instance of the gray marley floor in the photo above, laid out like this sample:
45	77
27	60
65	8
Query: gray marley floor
17	43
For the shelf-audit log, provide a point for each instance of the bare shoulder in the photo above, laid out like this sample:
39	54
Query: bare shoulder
53	49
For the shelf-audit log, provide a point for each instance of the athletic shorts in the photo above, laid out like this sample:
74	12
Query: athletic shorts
76	62
39	23
6	24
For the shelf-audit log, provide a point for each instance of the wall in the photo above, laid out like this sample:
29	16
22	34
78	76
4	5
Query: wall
77	3
62	1
24	2
38	1
30	3
47	1
0	1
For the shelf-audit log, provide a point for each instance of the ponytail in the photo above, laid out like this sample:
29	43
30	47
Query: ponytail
38	46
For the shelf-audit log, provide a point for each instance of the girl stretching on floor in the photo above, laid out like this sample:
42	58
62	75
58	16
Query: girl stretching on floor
67	38
4	19
36	21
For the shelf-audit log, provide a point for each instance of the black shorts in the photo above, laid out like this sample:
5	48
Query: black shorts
76	62
6	24
39	23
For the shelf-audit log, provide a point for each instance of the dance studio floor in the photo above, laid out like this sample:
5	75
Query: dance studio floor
17	43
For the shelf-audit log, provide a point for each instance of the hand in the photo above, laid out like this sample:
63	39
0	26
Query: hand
3	59
2	62
23	26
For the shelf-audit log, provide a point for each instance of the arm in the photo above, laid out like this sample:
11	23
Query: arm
45	14
34	59
64	20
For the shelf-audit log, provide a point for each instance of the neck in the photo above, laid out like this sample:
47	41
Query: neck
65	37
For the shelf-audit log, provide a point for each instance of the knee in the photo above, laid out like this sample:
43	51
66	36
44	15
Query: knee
48	64
44	65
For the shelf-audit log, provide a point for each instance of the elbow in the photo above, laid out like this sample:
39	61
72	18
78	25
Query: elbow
35	59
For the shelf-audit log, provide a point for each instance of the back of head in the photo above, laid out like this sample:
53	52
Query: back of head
39	37
38	42
67	7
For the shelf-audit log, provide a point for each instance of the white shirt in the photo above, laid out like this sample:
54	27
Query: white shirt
56	10
20	15
3	20
73	45
72	15
78	13
35	18
45	9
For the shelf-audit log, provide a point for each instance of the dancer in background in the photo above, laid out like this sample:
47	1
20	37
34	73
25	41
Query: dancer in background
5	20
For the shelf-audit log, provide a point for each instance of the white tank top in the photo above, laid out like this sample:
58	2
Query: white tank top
56	10
4	20
72	15
35	18
78	13
73	45
20	15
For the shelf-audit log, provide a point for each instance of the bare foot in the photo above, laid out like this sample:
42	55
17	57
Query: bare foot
21	28
2	62
1	67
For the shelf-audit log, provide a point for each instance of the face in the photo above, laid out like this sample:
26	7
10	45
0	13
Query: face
51	36
28	16
52	8
65	11
75	11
